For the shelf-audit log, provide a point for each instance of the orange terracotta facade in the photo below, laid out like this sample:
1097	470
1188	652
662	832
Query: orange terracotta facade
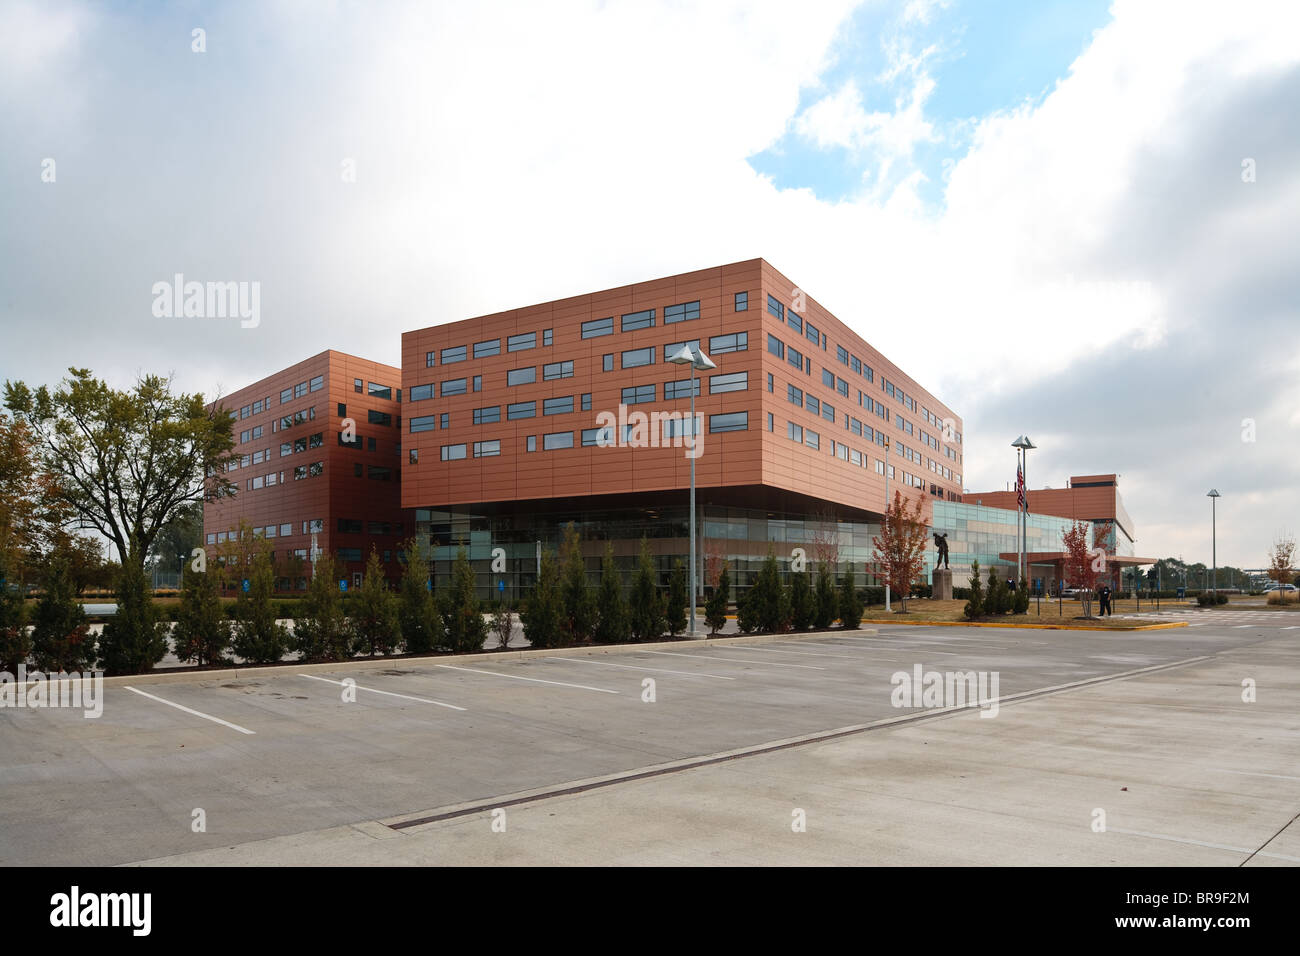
1087	498
758	456
317	481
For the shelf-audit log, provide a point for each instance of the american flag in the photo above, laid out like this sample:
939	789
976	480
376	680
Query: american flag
1020	486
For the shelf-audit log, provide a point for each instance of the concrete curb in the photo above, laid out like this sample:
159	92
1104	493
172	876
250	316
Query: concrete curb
1037	627
390	663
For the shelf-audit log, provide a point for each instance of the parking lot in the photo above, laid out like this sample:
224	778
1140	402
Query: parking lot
274	761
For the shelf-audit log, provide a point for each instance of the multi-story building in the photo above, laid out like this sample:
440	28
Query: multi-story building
520	422
306	480
1092	498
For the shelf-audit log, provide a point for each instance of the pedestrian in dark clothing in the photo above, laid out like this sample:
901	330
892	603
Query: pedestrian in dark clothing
1104	595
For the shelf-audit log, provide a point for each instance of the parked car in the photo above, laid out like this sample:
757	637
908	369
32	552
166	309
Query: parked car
1280	587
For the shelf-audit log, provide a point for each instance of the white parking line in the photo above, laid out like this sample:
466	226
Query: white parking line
1212	846
386	693
1291	628
196	713
535	680
1239	627
634	667
1247	773
774	650
736	660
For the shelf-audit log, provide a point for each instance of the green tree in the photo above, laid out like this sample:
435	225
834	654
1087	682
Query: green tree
614	625
850	603
135	639
417	612
125	461
769	602
544	610
202	630
975	605
579	605
675	610
258	637
177	539
801	601
372	612
320	632
826	602
15	642
746	611
647	617
61	639
715	612
997	597
466	629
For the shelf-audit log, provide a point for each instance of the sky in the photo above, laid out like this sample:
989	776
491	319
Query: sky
1069	220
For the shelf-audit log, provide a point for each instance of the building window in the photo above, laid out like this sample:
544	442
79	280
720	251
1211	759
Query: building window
455	354
379	418
420	423
794	357
521	410
842	354
828	412
842	387
795	395
546	336
413	456
732	382
430	360
683	312
521	342
444	420
771	382
795	320
735	342
730	422
828	378
453	452
774	307
557	370
358	385
484	349
586	401
531	443
557	440
371	445
286	396
487	449
638	320
638	394
607	362
813	405
635	358
598	327
522	376
775	346
357	470
812	439
419	393
771	422
486	416
742	302
557	406
680	389
597	437
812	333
453	386
375	390
794	432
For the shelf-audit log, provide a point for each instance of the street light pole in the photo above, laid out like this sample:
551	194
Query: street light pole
1214	496
1022	446
887	467
696	359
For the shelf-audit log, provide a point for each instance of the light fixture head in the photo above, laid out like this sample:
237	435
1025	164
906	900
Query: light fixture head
1023	442
687	355
1214	493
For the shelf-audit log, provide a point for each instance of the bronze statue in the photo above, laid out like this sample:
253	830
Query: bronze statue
941	542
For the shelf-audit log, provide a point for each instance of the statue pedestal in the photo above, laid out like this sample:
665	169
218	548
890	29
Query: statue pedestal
941	584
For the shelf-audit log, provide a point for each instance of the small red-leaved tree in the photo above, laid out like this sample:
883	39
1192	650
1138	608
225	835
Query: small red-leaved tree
1085	560
1279	563
900	546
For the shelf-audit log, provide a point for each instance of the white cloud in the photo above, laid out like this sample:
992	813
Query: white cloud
509	155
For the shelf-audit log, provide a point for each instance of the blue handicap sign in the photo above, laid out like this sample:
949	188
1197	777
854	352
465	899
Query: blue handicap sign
343	584
245	584
501	585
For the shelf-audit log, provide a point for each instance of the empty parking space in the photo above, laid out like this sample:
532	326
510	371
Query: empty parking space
287	752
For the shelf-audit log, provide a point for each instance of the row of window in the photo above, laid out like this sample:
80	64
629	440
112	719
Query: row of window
256	408
485	349
355	525
594	437
313	526
296	391
375	389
